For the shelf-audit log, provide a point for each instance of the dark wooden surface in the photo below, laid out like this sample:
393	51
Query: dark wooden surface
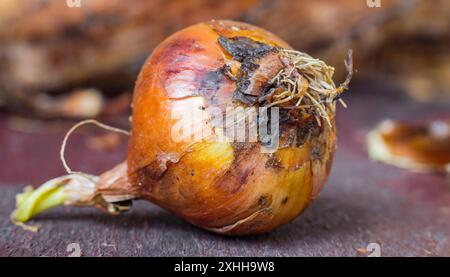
408	214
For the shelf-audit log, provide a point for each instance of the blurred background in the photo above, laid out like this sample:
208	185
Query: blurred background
59	65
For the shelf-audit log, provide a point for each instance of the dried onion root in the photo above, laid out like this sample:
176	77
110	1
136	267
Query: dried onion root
308	83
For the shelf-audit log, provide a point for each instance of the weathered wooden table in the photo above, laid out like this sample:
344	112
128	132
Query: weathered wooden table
407	214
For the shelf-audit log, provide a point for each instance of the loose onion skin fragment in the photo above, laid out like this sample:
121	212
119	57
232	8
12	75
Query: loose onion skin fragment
225	186
421	147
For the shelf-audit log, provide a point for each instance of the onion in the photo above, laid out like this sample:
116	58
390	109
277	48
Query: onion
217	182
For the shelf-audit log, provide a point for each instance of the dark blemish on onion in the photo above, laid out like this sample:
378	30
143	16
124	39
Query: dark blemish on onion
240	149
273	162
262	201
249	53
148	176
242	168
226	70
307	129
151	171
285	200
243	49
210	83
156	169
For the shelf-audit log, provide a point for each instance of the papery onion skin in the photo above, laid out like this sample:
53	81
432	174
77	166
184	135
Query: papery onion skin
220	186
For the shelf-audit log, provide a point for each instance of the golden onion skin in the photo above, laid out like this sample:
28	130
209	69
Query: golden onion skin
225	187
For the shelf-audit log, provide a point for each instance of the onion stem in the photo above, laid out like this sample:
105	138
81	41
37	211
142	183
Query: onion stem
72	189
65	190
34	201
76	188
